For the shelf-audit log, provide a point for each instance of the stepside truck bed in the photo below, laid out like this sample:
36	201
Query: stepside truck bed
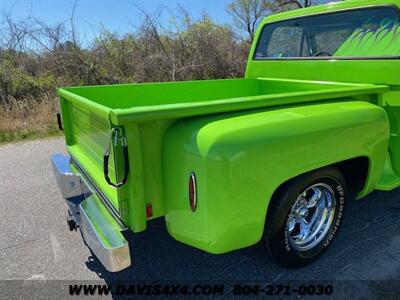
145	111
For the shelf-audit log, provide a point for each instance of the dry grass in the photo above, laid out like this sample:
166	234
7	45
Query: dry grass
28	118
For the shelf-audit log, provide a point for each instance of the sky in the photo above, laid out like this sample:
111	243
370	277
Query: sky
116	15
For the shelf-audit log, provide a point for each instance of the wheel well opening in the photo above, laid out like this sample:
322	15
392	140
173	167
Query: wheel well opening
355	171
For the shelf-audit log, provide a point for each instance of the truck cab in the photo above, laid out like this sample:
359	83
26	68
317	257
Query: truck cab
273	157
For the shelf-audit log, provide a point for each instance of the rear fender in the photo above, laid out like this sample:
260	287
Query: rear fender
241	159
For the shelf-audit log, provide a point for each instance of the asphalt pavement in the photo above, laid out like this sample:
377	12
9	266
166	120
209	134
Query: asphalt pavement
36	244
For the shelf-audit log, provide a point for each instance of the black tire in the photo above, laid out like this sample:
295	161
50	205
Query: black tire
276	233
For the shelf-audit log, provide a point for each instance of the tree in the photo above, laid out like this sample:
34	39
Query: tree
246	14
295	3
282	5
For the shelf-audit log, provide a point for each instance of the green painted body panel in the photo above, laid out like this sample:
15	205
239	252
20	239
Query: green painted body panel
241	159
243	137
94	110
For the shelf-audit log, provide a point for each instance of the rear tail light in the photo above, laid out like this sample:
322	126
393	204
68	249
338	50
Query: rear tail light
149	210
192	192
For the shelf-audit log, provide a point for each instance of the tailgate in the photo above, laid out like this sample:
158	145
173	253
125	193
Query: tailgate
87	130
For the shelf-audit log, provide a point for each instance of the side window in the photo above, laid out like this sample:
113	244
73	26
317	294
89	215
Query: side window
286	42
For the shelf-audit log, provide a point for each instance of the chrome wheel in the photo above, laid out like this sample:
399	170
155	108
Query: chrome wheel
311	217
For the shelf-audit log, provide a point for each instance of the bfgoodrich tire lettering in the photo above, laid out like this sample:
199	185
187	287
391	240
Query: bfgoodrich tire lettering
291	234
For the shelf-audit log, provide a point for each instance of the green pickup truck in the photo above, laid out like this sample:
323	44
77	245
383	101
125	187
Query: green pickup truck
273	157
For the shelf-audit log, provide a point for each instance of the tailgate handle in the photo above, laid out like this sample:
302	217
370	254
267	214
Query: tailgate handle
115	136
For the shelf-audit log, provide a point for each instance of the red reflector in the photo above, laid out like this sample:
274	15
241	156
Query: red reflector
192	192
149	210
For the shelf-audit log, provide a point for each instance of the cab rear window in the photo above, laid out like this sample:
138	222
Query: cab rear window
368	32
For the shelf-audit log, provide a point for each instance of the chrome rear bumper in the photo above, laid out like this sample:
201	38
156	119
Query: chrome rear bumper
100	230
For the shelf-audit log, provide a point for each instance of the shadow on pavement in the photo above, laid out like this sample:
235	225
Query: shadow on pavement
366	248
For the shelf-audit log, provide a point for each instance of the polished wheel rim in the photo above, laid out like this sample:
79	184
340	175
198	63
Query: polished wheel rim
311	217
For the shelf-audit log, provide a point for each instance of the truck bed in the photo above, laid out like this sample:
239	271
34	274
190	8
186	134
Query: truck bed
145	111
188	98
